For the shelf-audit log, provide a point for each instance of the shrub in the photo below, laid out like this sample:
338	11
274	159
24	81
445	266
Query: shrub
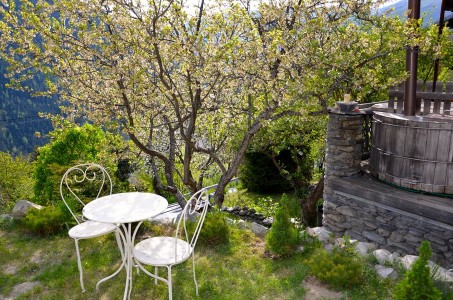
417	282
46	221
215	229
283	237
67	147
340	268
15	183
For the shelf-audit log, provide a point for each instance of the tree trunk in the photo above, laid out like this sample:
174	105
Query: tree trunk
309	211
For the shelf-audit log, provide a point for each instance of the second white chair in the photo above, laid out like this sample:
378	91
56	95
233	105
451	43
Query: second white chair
167	251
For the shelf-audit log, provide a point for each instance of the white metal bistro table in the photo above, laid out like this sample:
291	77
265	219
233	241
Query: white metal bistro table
125	209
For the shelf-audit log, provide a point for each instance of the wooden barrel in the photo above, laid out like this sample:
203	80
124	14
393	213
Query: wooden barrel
414	152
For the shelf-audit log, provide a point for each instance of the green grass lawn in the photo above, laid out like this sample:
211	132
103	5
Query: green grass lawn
239	269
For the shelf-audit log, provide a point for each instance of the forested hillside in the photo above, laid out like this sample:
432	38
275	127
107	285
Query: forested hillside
19	120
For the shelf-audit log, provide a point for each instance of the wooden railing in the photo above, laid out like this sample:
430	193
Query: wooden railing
428	102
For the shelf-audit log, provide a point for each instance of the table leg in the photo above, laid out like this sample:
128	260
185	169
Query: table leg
128	253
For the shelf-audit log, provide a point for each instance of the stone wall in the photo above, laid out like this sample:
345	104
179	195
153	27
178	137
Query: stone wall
366	209
344	144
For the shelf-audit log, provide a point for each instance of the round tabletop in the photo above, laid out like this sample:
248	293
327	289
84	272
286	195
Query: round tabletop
125	207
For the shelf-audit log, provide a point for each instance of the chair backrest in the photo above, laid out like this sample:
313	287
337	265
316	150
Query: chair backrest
194	211
91	174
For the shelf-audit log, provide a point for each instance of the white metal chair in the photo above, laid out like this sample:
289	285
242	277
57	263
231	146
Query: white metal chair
167	251
71	188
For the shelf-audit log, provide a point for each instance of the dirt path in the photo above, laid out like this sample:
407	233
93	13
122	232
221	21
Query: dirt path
317	291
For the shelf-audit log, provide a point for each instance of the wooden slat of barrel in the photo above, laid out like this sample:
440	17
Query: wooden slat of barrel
432	141
417	168
400	136
449	187
445	142
420	142
409	151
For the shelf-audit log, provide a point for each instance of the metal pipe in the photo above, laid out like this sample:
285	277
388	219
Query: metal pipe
411	65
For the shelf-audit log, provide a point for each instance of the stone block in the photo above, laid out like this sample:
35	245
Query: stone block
343	226
374	237
346	210
436	239
383	232
384	220
402	248
439	248
334	229
417	231
396	237
337	218
412	238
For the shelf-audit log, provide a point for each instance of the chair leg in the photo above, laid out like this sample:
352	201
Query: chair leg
155	273
170	291
118	242
194	276
79	264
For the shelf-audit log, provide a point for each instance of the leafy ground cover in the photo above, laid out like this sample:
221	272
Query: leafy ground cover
238	269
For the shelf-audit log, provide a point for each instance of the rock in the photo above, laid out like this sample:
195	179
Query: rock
408	260
383	256
259	217
395	257
268	221
321	233
385	272
242	212
259	230
364	248
242	224
21	208
6	218
442	274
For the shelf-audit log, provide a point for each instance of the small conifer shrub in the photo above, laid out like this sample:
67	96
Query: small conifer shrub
417	283
283	238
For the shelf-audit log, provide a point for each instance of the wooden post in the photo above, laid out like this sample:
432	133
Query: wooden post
411	65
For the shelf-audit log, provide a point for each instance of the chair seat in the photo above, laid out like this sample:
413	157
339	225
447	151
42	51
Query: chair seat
91	229
160	251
